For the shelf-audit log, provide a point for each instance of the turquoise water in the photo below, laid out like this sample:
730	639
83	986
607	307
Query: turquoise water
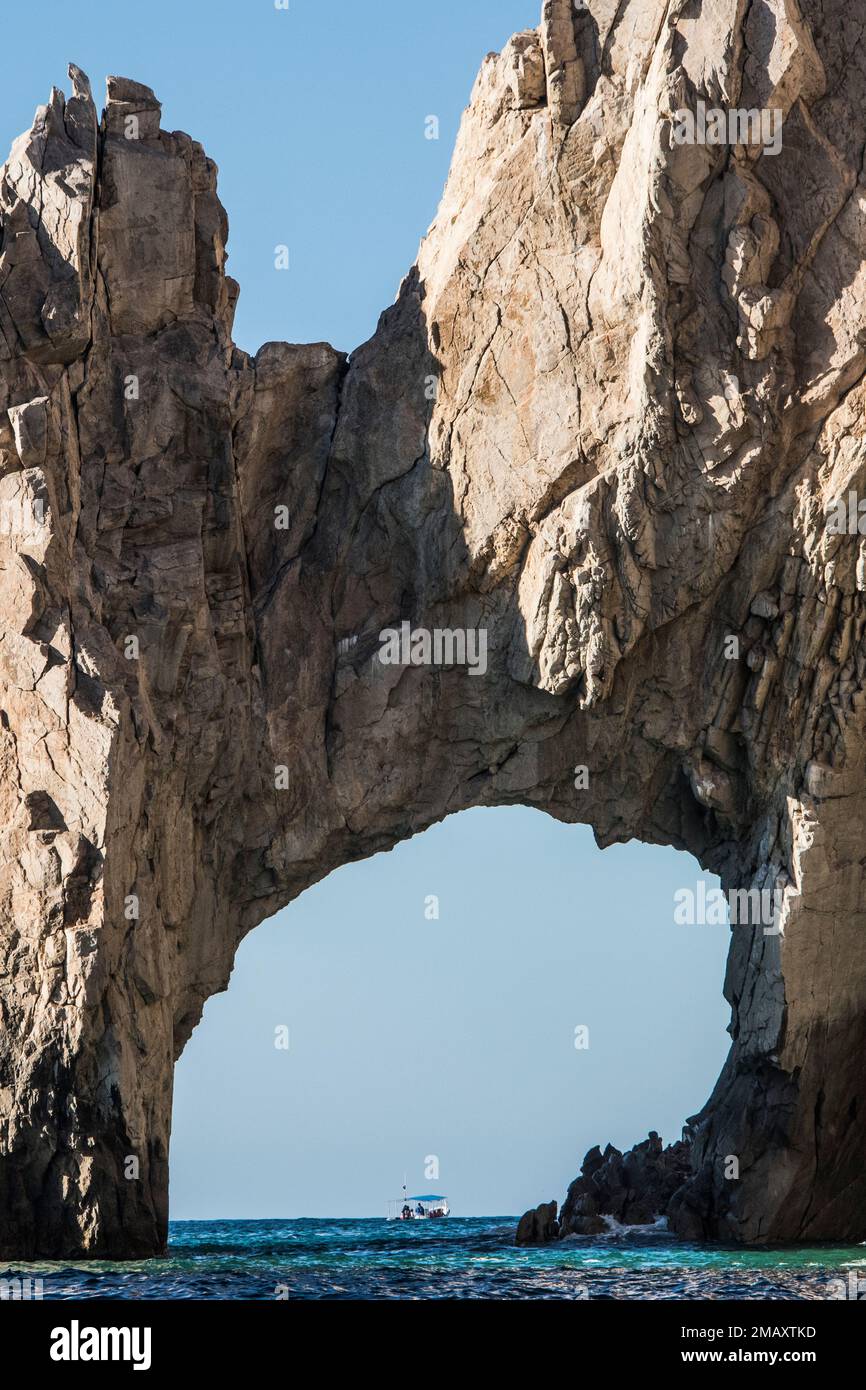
475	1258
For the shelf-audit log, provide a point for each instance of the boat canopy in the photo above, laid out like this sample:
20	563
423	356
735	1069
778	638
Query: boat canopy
428	1197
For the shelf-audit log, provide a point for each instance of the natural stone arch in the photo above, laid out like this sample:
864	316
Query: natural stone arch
603	422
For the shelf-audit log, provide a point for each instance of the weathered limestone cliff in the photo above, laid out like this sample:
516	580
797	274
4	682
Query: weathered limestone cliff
605	423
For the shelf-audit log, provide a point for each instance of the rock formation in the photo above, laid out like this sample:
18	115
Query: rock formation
604	424
635	1188
538	1226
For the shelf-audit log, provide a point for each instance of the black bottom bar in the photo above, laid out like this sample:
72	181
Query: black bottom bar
62	1338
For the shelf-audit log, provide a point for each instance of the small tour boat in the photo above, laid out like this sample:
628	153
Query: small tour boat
425	1206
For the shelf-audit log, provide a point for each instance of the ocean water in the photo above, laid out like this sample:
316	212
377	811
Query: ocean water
454	1258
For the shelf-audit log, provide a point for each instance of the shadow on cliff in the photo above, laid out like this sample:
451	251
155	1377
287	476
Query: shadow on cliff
389	547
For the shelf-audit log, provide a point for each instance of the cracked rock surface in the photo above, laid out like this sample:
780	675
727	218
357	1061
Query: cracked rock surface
604	421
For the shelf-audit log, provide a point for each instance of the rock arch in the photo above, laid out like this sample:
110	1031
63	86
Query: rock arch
603	422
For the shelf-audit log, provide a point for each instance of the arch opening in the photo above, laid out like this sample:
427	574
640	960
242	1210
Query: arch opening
476	1008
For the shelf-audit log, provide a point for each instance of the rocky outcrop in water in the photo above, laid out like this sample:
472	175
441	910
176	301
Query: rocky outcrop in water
538	1226
635	1188
581	486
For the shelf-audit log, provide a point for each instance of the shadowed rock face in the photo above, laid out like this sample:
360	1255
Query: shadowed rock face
604	423
613	1189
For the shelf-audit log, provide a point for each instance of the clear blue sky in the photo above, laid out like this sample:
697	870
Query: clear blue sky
408	1037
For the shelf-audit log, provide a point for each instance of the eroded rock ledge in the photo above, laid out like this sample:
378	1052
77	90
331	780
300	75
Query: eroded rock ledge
648	389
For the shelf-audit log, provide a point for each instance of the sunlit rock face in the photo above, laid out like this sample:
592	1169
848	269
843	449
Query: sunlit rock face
604	426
